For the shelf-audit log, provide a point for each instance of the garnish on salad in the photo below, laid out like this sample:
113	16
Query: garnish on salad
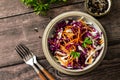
75	43
75	54
86	41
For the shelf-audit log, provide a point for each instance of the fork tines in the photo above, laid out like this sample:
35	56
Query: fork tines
23	51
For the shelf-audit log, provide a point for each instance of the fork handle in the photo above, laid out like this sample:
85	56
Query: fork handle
41	76
48	75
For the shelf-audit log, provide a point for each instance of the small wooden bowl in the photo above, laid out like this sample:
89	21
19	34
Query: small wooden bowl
98	15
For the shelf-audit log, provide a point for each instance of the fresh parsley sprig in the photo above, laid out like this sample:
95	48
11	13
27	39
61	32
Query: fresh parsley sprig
75	54
86	41
41	6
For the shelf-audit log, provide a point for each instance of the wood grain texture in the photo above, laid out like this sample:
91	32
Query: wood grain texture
16	7
25	25
107	70
8	8
21	31
20	28
111	21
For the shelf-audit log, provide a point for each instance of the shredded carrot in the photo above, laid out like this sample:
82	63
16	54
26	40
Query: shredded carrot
70	38
74	37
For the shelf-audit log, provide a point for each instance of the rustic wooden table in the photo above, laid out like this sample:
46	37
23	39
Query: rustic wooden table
17	23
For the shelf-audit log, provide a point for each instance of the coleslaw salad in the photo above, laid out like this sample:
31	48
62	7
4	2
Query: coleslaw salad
75	43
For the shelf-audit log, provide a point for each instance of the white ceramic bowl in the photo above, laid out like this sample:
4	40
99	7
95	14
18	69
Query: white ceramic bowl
48	31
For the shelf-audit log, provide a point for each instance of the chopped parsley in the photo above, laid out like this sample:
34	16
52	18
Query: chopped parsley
41	6
86	41
75	54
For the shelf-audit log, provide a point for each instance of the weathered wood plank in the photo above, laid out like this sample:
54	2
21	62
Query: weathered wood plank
113	52
21	72
111	22
20	21
8	8
16	7
15	30
20	28
107	70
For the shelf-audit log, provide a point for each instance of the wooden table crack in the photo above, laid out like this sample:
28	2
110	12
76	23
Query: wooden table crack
52	7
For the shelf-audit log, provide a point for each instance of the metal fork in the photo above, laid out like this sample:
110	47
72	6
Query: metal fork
30	59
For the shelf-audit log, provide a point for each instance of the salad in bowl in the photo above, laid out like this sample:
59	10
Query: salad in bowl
74	43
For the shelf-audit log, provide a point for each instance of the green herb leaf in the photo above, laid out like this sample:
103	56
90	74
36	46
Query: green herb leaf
84	44
86	41
41	6
75	54
64	0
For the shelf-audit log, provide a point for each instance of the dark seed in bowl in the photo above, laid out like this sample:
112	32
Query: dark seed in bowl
97	6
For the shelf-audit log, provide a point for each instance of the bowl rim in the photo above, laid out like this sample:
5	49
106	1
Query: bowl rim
50	58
